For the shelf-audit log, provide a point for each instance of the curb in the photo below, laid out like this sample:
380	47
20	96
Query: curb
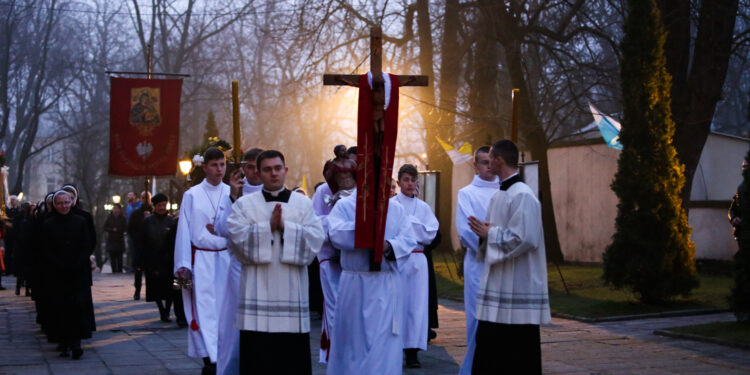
710	340
618	318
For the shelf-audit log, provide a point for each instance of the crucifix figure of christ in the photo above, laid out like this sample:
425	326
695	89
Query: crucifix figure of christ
377	127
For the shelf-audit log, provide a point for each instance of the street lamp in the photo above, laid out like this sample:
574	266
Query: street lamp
116	199
423	156
186	166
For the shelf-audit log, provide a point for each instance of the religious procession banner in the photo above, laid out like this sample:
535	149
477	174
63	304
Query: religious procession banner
144	126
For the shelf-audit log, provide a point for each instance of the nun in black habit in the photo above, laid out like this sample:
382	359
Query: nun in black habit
66	247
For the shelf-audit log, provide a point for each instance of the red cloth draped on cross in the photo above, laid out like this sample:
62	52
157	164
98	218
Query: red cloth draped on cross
376	146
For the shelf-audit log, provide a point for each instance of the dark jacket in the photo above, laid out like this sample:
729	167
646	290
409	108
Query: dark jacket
135	226
115	226
23	254
158	255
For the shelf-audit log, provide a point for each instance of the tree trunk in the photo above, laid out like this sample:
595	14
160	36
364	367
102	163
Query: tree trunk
696	92
450	68
483	92
437	158
530	128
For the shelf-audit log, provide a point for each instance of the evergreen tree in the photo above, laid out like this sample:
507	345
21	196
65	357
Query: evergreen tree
211	129
651	252
739	300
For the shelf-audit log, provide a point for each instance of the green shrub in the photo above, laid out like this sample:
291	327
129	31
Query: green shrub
651	252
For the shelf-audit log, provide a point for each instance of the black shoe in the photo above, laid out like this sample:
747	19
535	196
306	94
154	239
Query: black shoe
165	318
2	288
411	358
137	296
431	334
182	323
64	354
209	369
77	353
61	348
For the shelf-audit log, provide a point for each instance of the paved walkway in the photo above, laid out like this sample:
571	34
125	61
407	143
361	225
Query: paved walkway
130	339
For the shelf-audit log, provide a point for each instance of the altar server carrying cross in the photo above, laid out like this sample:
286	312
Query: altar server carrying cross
377	128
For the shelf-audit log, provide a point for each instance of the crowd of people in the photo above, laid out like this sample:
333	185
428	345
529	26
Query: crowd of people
50	248
150	230
234	265
243	248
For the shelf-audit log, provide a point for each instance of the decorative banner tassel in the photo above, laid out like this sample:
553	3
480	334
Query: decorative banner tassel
194	325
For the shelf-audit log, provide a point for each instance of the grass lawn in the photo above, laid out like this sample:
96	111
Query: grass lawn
589	297
733	332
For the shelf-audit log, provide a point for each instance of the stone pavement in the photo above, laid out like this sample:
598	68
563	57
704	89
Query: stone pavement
130	339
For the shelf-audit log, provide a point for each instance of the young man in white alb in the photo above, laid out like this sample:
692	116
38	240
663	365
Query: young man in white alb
414	271
473	200
201	256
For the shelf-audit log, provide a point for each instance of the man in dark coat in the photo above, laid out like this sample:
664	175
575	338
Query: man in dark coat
13	212
23	226
135	225
115	226
158	257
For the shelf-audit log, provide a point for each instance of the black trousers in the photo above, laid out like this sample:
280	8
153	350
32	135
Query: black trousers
115	260
432	301
507	349
275	353
138	281
179	310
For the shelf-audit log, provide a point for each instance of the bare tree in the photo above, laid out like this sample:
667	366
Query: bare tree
698	63
34	79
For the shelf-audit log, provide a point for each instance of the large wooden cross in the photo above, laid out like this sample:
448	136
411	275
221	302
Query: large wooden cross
377	132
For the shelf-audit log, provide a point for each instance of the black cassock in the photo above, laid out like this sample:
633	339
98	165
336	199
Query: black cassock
157	256
65	245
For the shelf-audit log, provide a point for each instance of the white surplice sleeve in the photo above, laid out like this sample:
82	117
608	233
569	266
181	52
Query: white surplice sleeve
221	222
425	225
404	241
520	235
182	248
250	241
463	210
341	224
318	199
303	238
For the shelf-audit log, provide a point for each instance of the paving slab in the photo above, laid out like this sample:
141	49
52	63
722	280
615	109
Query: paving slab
130	339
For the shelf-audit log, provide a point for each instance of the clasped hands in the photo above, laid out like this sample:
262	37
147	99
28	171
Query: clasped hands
480	228
277	223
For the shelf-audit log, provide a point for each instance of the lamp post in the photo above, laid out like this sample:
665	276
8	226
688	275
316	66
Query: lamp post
423	157
185	166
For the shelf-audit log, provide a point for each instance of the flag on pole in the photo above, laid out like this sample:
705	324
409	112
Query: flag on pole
460	156
609	128
304	183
